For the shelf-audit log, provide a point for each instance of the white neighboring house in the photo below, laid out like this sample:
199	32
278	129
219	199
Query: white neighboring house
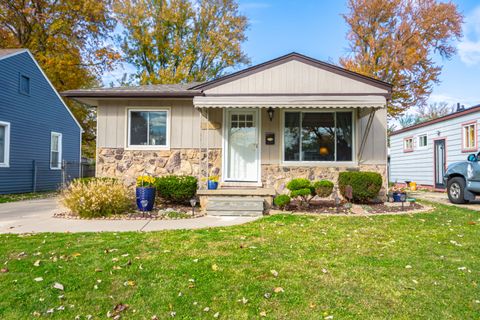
421	153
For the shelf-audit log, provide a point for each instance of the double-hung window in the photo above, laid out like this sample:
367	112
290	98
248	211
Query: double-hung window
4	144
148	128
318	136
408	144
469	137
422	141
56	150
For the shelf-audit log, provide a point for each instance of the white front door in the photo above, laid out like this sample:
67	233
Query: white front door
242	146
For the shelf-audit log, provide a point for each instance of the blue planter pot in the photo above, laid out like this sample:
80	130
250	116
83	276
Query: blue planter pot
212	185
397	196
145	198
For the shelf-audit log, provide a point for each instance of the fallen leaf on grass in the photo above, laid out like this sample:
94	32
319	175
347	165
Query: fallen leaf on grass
38	279
4	270
216	315
76	254
130	283
274	273
263	314
214	267
37	263
278	290
58	286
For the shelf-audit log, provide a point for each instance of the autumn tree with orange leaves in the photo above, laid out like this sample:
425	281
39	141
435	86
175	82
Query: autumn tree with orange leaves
181	40
69	39
396	40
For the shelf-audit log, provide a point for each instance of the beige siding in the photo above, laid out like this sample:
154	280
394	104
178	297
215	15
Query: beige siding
375	151
294	77
185	123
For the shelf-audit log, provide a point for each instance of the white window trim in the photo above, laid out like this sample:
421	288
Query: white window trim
147	109
418	141
6	163
319	163
60	153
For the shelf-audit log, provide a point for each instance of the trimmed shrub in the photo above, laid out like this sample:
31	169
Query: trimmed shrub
323	188
365	185
97	197
176	189
302	190
282	201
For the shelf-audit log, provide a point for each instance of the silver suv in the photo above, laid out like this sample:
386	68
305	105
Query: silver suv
463	180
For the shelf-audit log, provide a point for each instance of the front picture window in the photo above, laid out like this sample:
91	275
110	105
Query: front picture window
148	128
318	136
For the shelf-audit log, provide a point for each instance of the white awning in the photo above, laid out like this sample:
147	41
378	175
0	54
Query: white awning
302	101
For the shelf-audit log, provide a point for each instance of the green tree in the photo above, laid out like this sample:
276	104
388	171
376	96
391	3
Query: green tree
395	40
172	41
69	39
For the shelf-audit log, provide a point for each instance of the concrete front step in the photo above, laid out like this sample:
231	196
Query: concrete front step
235	206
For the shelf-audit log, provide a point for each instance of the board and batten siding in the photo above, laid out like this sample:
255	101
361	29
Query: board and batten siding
185	128
184	123
32	118
294	77
418	165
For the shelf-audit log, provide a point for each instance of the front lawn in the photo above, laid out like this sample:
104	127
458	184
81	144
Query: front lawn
423	266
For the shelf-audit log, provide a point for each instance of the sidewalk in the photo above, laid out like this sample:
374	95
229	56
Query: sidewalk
37	216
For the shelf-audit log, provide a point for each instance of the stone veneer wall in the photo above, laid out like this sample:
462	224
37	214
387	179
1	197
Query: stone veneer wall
276	176
129	164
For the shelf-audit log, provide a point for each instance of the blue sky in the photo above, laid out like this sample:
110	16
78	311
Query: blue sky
316	28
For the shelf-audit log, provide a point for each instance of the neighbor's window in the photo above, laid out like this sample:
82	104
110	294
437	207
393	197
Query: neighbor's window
4	143
469	136
408	144
56	150
318	136
24	84
148	128
422	141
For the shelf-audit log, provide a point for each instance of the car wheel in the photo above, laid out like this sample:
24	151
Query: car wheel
456	189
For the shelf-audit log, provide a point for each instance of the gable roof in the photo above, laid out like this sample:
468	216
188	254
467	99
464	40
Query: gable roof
8	53
444	118
298	57
145	91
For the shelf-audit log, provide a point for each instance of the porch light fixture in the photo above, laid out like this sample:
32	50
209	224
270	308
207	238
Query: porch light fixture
270	112
323	151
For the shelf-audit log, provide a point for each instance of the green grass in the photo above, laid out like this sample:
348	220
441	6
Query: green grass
364	259
4	198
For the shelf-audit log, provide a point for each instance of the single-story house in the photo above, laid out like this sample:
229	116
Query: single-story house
290	117
37	130
421	153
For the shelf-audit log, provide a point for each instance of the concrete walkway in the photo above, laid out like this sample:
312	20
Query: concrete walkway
441	197
37	216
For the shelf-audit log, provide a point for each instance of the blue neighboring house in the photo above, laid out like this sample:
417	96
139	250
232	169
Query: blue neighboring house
38	133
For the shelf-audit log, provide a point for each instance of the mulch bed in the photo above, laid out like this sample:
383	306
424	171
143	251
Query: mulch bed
159	212
328	207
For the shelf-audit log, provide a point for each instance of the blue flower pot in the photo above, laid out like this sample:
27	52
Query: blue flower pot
397	196
145	198
212	185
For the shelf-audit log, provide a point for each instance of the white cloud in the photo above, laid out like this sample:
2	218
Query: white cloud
469	47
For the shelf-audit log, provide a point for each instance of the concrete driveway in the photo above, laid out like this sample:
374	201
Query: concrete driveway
37	216
441	197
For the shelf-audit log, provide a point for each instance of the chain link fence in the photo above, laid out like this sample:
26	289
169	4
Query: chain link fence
45	178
